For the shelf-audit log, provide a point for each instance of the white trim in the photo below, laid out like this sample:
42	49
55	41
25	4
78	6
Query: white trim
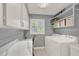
38	47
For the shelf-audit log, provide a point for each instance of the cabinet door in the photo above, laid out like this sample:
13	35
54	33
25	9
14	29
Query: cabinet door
13	14
1	14
25	17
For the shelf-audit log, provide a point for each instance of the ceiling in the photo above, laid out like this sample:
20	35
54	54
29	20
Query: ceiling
51	8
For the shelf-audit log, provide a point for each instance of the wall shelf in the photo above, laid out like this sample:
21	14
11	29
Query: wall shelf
65	19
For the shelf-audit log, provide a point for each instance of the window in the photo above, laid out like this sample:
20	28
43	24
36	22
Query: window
37	26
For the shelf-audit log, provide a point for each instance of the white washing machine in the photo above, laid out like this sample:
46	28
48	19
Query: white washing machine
59	45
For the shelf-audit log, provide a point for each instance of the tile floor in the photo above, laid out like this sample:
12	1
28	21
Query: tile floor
40	52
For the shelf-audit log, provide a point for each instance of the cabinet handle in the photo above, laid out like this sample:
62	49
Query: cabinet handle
4	14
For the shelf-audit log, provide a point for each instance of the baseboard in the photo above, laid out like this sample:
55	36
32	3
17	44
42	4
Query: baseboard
39	47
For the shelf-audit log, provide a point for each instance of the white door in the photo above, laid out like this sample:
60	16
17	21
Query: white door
13	14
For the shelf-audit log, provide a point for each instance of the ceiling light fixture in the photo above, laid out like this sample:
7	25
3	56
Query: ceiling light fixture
43	5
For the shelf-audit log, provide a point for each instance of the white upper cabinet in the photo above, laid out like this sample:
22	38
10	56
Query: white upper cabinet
17	16
1	14
24	17
13	14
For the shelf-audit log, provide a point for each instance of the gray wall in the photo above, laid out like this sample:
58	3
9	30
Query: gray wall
40	39
74	30
68	31
8	35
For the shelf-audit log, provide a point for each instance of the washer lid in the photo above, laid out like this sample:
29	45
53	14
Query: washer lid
62	39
